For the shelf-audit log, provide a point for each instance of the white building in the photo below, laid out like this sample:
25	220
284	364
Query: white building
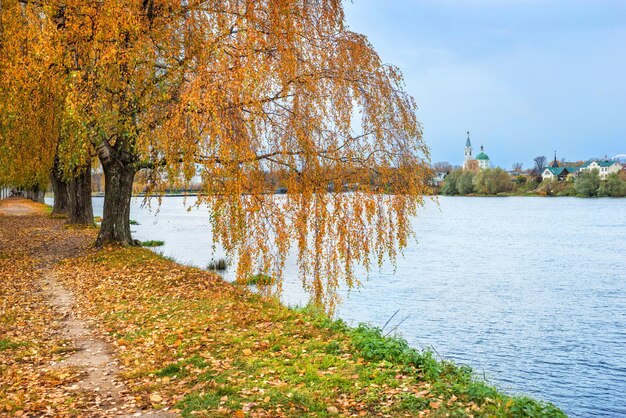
481	161
604	167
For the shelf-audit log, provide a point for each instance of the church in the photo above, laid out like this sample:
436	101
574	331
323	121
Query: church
481	161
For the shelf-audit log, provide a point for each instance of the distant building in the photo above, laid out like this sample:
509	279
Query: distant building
555	162
604	167
555	173
481	161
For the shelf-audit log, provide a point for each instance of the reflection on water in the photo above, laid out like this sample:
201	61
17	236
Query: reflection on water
529	291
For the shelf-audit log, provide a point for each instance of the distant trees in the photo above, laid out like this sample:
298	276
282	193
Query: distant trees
540	164
443	166
493	181
518	167
496	181
488	181
465	184
587	183
458	182
614	186
449	187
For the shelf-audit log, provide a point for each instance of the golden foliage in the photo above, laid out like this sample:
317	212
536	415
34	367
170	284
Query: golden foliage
235	92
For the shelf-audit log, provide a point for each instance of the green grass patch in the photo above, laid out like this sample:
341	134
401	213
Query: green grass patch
152	243
6	344
260	280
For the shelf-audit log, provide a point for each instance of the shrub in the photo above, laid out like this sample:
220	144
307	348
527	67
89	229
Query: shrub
220	264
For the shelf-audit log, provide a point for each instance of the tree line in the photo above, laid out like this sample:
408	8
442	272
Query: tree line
498	181
488	181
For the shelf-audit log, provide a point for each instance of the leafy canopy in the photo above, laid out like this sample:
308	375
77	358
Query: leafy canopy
234	91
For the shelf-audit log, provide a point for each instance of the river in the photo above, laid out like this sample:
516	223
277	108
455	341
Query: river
529	291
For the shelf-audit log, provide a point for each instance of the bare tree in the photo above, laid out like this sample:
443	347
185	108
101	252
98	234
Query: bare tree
443	166
518	167
540	164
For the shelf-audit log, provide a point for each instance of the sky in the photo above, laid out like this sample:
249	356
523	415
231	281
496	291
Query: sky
525	77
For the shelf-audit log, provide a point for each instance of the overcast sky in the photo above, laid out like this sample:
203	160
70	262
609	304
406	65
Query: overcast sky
525	77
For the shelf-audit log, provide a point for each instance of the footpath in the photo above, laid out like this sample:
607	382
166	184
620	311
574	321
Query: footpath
125	332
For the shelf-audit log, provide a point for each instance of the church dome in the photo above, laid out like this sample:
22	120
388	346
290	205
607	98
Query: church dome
482	156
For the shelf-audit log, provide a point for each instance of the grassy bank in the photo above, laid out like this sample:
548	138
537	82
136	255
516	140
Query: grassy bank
194	343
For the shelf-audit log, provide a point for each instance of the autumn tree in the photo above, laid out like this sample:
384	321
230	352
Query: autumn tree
233	92
23	116
34	131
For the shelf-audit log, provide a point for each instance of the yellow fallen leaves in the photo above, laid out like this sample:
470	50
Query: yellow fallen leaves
30	345
434	405
332	410
247	351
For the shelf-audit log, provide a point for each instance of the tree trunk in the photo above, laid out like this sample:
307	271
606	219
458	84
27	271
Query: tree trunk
35	194
80	209
60	190
118	189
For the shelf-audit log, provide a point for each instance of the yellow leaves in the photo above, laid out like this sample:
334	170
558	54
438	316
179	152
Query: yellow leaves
246	351
332	410
155	398
434	405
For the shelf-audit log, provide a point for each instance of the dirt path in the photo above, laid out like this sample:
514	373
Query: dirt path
92	355
19	207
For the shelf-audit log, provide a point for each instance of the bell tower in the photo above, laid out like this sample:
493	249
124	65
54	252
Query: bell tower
468	151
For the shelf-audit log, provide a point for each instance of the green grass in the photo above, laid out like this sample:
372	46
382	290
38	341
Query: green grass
260	280
152	243
6	344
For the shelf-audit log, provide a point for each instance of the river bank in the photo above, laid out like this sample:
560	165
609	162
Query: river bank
190	342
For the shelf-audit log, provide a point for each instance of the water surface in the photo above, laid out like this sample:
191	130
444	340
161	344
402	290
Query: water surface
531	292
